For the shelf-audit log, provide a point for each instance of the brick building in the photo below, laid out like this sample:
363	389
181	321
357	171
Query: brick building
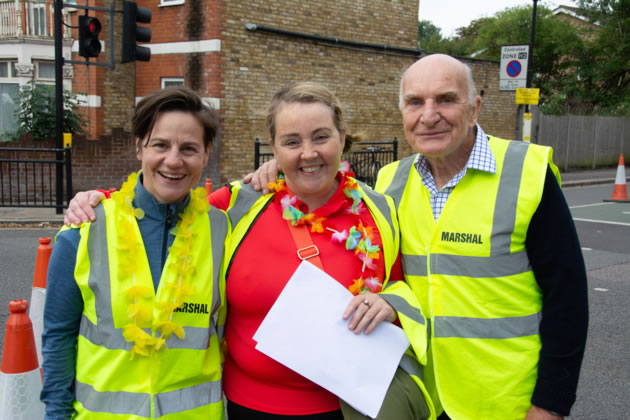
238	53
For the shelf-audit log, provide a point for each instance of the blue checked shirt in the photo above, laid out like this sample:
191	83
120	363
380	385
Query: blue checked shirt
481	159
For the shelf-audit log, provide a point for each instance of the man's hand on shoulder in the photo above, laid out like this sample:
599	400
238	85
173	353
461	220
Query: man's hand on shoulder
268	172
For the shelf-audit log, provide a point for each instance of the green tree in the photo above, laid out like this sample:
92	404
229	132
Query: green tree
35	112
430	39
429	35
603	71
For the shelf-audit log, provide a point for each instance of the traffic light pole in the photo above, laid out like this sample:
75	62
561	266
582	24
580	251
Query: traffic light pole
59	62
58	107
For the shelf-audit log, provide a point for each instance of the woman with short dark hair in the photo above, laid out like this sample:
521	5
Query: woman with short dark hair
129	324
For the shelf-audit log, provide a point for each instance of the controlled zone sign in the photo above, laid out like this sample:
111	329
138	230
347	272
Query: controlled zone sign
513	67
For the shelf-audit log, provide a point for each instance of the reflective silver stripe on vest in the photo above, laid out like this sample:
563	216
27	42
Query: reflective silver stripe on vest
507	197
411	366
221	332
397	187
244	201
218	231
119	402
104	334
400	305
139	404
415	265
381	203
466	266
196	338
497	328
187	398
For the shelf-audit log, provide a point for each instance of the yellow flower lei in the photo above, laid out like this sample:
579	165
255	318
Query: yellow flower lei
181	261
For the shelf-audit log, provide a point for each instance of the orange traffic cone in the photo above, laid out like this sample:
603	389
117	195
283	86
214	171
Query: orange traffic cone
620	191
38	294
20	381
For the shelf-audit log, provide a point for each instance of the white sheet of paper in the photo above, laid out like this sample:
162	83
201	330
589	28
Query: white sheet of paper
304	330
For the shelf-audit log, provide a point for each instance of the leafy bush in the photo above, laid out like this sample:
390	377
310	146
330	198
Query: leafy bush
35	112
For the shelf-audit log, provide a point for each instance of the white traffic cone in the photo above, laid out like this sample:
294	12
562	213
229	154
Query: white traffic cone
20	380
38	293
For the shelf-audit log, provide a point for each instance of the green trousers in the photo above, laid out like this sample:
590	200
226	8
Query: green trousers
403	401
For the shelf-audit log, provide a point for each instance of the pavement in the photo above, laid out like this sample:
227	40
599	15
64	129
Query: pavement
47	217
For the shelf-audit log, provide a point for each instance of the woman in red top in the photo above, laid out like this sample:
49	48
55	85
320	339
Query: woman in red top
307	137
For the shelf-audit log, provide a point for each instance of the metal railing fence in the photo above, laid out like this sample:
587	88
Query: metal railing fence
31	182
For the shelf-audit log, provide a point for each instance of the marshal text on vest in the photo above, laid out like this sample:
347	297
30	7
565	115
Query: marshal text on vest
469	238
193	308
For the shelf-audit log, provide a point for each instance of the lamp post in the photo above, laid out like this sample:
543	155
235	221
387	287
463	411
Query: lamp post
527	116
531	47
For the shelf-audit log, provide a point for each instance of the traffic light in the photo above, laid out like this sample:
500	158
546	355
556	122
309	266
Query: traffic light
133	14
89	29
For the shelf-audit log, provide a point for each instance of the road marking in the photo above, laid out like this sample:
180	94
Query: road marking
589	205
601	221
587	249
599	289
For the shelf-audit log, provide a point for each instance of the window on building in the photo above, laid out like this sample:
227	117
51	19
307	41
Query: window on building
9	88
7	70
172	81
39	19
45	71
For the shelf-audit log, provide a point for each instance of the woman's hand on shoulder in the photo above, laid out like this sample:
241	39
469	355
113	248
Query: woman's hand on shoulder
80	207
368	310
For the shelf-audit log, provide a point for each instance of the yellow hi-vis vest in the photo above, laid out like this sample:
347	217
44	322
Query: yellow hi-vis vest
183	379
472	275
246	205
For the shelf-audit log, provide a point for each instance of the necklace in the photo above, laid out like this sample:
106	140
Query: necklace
139	309
358	239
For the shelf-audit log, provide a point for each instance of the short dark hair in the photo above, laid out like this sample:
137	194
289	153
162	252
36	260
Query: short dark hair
176	98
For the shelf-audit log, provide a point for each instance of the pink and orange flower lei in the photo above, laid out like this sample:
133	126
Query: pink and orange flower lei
358	239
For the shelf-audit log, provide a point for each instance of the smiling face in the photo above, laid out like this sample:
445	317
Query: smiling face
438	115
308	148
173	156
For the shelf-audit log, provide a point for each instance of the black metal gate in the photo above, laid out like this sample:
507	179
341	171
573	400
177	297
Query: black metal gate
365	158
29	180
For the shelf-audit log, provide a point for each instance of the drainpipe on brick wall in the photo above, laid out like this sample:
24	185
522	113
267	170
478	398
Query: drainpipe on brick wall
341	42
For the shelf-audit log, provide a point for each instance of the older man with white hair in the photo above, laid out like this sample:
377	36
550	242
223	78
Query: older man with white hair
490	249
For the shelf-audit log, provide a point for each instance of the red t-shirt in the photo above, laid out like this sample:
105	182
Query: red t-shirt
262	266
